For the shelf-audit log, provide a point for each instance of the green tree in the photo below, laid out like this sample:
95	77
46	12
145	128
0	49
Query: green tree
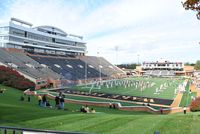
197	66
192	5
189	64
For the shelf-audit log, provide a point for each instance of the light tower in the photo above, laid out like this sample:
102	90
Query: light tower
98	53
116	50
86	69
138	58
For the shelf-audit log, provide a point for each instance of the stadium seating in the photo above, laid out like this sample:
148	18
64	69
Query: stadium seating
106	67
26	65
171	73
148	72
70	68
162	73
55	67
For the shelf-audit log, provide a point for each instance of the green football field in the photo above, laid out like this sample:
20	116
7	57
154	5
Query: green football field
106	121
167	92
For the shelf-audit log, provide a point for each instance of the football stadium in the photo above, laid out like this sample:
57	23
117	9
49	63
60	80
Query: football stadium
51	58
48	84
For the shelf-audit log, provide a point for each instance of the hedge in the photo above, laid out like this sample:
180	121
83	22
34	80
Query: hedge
195	105
12	78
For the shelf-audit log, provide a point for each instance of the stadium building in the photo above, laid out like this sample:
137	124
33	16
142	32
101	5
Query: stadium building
41	39
49	56
164	68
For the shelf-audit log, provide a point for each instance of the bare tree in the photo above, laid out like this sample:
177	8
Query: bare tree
192	5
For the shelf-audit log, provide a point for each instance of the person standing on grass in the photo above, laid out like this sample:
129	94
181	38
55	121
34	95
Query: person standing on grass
57	102
44	100
161	110
184	109
62	102
29	98
22	98
39	100
60	94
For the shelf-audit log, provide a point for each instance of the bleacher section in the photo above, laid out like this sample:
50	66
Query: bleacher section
171	73
162	73
106	67
26	65
59	68
70	68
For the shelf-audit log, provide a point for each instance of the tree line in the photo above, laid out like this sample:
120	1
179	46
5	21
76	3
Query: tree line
128	66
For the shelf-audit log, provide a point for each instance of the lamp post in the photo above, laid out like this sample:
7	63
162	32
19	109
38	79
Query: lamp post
86	69
138	56
99	67
116	50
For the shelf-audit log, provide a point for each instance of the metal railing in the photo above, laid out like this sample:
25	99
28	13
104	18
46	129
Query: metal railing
16	130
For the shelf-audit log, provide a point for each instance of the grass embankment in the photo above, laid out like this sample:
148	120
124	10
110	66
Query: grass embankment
187	96
28	114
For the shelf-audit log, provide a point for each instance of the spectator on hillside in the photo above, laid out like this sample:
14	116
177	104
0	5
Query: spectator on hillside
87	109
60	94
22	98
92	110
110	105
184	109
82	109
2	90
114	106
39	100
57	102
48	105
62	102
161	110
44	100
29	98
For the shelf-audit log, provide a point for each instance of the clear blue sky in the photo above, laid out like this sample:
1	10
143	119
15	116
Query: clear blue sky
152	29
